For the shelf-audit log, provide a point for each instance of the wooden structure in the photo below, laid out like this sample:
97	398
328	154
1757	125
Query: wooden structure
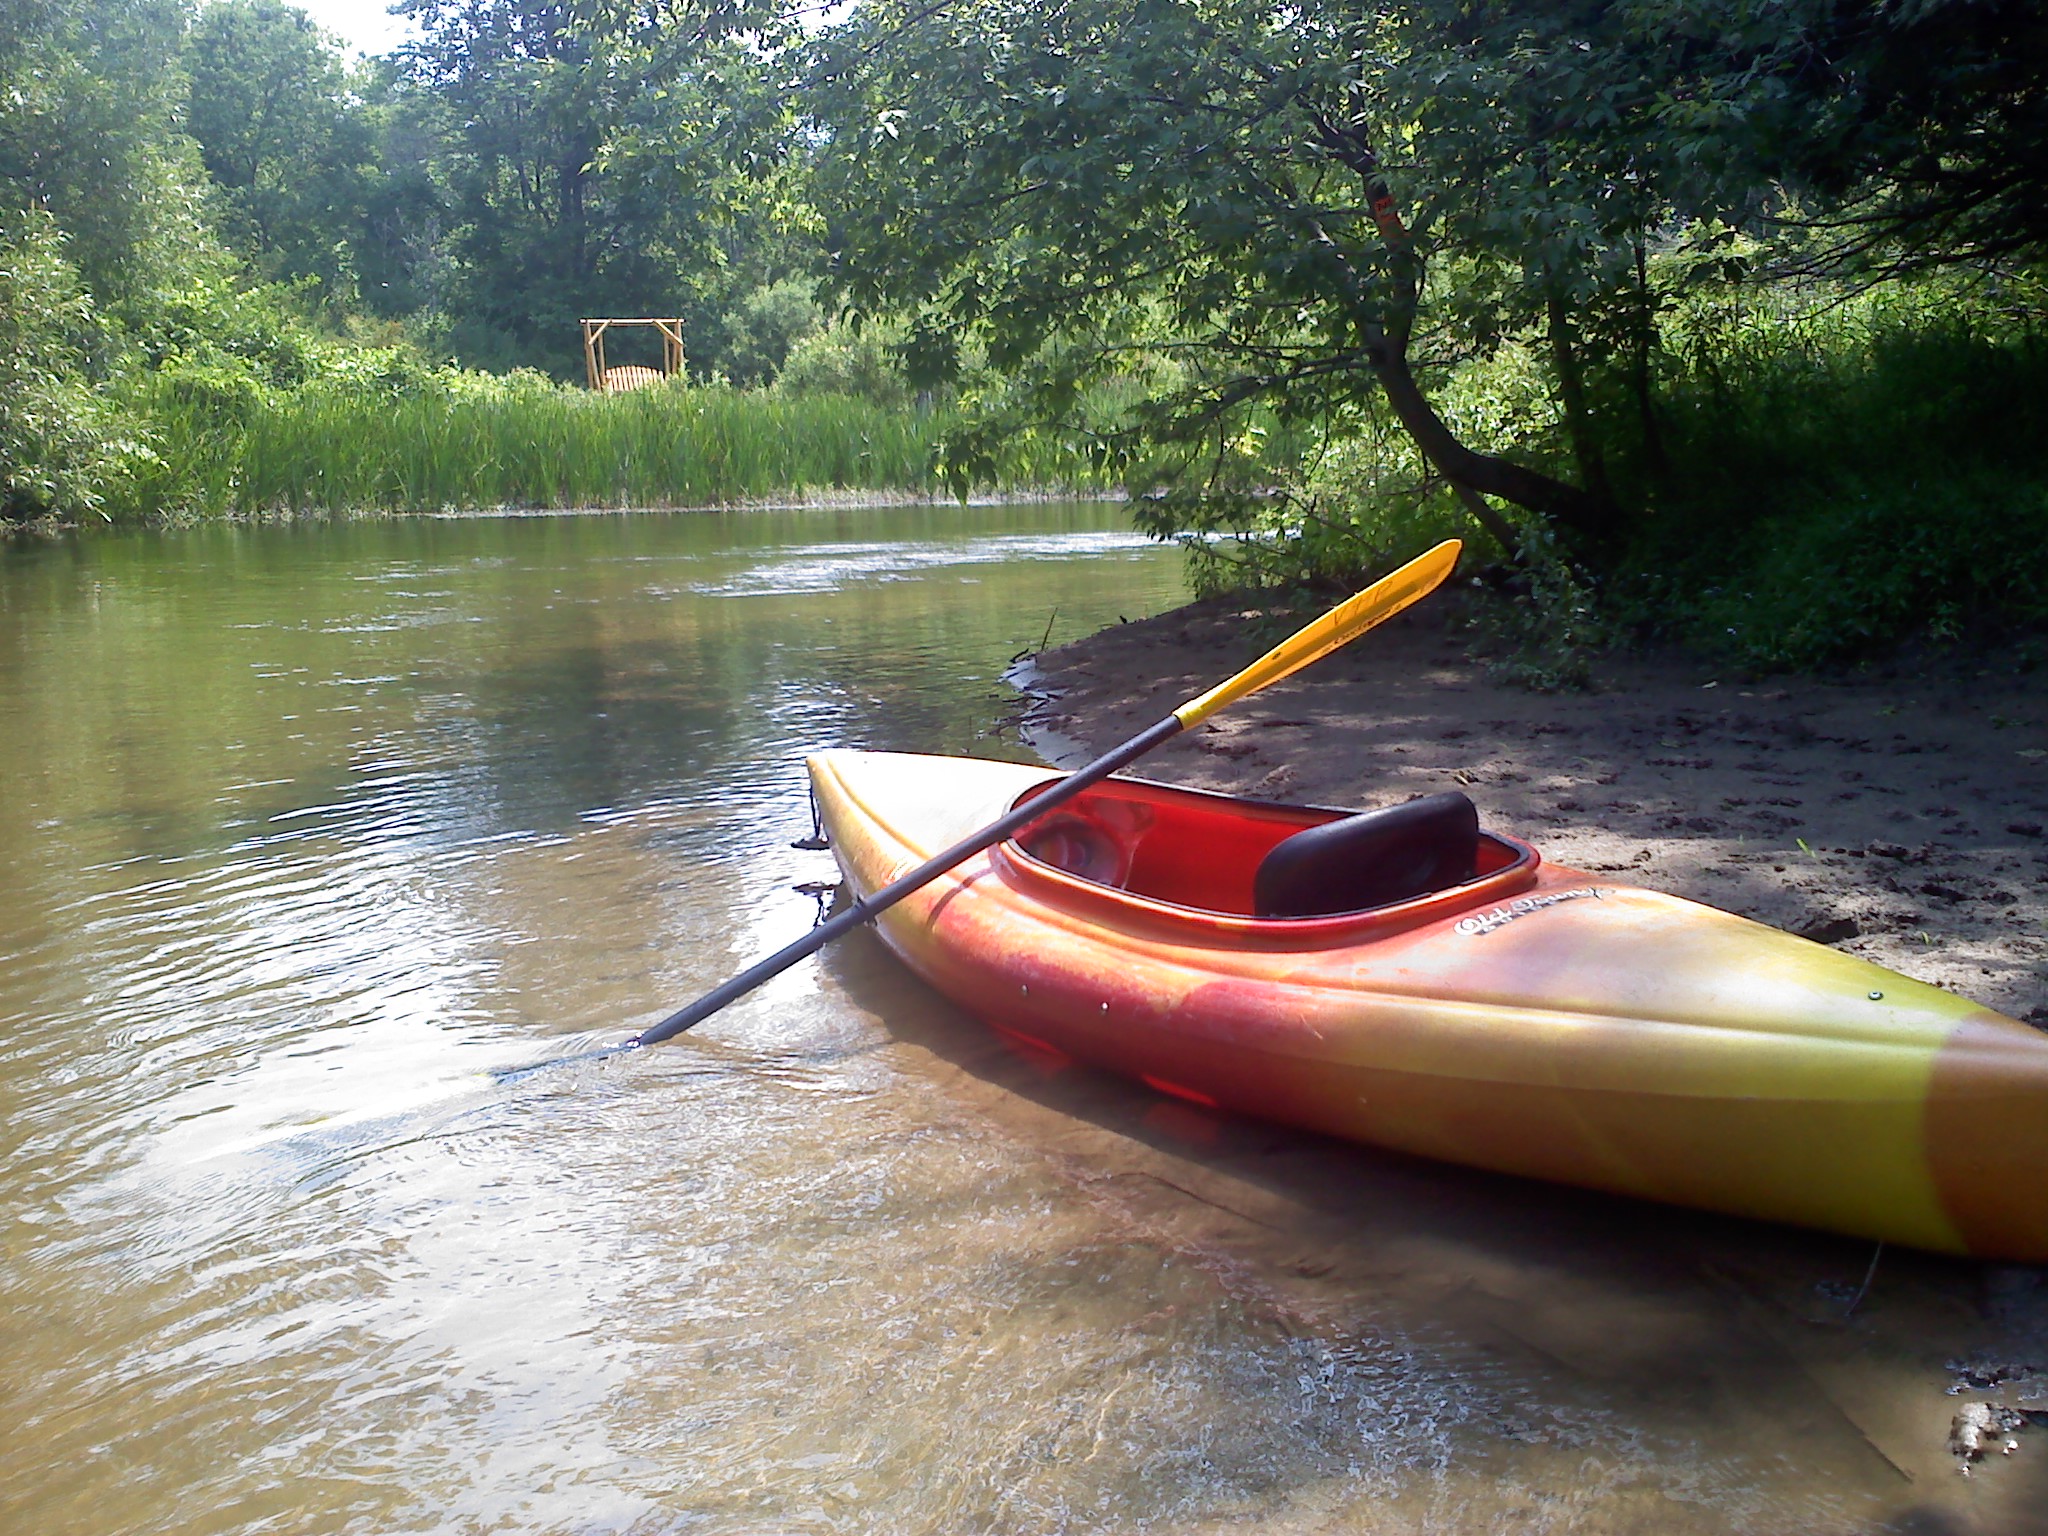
613	381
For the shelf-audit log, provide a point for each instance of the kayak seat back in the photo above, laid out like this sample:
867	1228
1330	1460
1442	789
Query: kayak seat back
1370	860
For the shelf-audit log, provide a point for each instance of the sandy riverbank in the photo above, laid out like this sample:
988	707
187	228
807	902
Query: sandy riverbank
1901	815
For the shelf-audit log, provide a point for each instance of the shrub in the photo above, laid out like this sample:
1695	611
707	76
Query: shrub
845	359
1840	480
767	325
63	449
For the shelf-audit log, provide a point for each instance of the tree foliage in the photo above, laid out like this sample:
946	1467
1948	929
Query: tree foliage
1319	208
89	96
61	445
281	132
1323	205
580	172
1921	134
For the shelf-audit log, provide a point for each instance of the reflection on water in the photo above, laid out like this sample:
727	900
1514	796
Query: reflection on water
308	830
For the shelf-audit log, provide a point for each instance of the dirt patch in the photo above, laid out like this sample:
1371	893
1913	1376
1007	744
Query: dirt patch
1898	815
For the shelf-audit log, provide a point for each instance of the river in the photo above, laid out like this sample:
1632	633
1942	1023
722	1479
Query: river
315	834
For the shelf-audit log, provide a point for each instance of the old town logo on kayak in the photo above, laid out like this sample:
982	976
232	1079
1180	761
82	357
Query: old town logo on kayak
1501	916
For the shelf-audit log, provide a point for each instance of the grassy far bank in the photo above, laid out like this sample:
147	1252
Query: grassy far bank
224	401
470	441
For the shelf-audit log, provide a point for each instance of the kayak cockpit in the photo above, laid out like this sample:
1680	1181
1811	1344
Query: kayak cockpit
1192	858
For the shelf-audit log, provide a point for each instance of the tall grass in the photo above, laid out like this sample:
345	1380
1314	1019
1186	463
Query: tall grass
467	441
337	450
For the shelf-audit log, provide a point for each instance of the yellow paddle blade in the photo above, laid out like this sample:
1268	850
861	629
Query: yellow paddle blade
1340	626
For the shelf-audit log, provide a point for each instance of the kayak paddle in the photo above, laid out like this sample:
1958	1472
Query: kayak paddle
1341	625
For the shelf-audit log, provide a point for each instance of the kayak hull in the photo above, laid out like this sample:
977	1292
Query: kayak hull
1538	1021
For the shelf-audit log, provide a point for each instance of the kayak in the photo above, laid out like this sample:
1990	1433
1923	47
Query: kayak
1406	979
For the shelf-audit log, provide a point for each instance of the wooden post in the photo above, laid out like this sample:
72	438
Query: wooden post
593	352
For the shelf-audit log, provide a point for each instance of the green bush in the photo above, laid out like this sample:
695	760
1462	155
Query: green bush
844	359
763	330
63	448
1839	481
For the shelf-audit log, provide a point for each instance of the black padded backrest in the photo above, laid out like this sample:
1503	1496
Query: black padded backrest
1372	859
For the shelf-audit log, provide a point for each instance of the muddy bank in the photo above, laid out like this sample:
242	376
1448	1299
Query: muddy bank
1901	815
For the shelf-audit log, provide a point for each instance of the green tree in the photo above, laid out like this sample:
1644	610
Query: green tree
405	260
61	446
1024	174
1317	207
1921	133
767	324
282	132
571	188
89	96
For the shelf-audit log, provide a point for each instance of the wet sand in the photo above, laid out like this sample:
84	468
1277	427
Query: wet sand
1898	815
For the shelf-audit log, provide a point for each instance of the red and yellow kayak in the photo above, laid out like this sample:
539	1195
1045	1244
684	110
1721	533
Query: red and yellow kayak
1526	1018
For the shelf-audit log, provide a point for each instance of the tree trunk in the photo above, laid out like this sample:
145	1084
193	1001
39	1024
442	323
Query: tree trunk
1643	343
1385	328
573	222
1486	517
1482	472
1571	390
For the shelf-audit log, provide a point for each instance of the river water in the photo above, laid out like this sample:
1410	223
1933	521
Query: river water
312	835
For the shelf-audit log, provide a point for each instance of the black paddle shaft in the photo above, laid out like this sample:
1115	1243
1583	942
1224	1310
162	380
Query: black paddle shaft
868	908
